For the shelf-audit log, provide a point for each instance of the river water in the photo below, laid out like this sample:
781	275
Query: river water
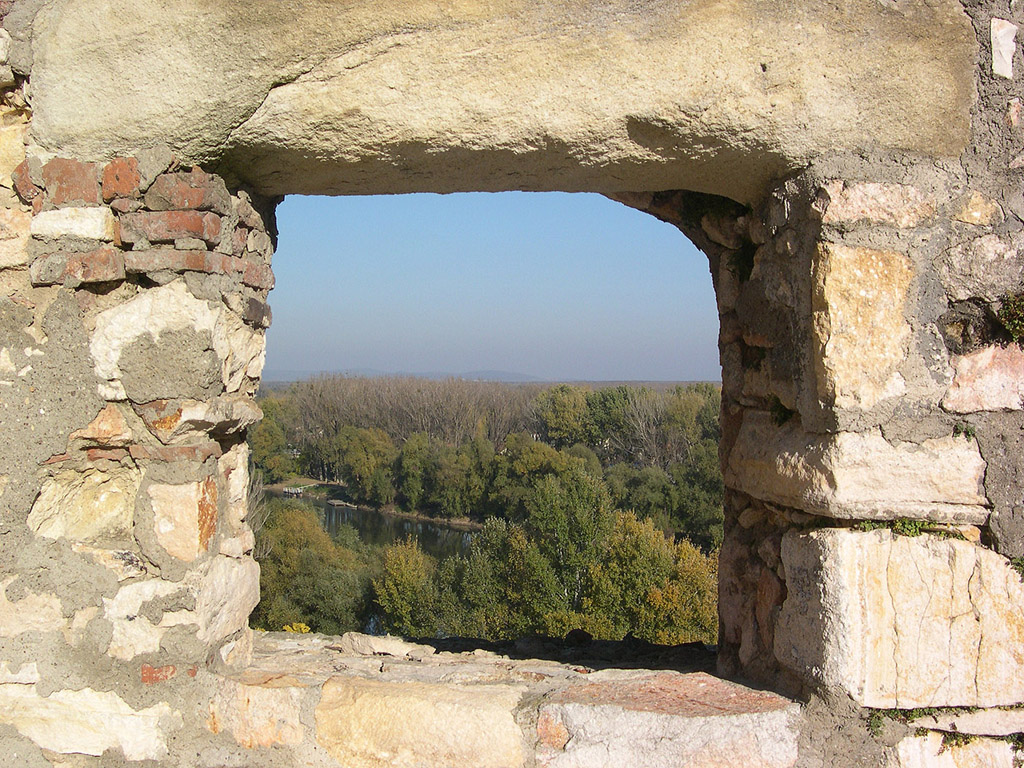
375	527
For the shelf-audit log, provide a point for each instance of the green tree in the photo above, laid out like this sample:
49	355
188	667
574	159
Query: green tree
412	469
406	592
564	416
364	458
305	577
568	514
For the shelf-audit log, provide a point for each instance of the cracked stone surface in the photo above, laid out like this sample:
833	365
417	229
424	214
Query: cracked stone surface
899	621
481	708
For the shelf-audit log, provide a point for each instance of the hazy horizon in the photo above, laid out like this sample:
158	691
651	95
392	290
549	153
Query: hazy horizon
550	286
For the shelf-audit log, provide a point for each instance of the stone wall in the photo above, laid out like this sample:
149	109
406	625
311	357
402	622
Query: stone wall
873	431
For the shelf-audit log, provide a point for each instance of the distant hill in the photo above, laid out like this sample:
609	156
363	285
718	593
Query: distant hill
272	376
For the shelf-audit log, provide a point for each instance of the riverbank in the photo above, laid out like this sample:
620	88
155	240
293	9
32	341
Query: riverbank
455	523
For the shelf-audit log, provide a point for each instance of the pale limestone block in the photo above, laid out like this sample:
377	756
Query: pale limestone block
365	724
257	715
861	334
359	644
663	720
990	379
124	563
172	307
981	722
858	475
980	211
929	752
87	505
87	722
184	517
27	674
14	237
12	150
183	421
234	468
135	634
228	591
240	545
898	621
87	223
895	204
108	429
1004	47
33	613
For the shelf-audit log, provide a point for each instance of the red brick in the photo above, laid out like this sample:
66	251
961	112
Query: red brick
151	674
121	178
175	452
71	182
195	190
23	185
103	265
58	458
155	259
168	226
191	671
110	454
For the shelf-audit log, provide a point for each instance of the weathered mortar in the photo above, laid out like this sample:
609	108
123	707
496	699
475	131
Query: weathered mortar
866	378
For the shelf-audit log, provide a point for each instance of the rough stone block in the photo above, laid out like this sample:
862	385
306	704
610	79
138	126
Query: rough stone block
366	724
70	182
195	190
666	719
990	379
895	204
185	517
14	234
979	210
121	178
32	613
1004	46
168	226
988	267
929	752
174	453
85	223
858	475
133	633
12	152
257	715
87	722
109	429
85	506
176	420
899	621
860	331
228	592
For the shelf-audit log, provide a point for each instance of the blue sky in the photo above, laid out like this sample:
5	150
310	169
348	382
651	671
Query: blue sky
553	285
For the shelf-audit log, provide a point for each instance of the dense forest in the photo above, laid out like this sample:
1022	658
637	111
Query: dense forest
600	508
